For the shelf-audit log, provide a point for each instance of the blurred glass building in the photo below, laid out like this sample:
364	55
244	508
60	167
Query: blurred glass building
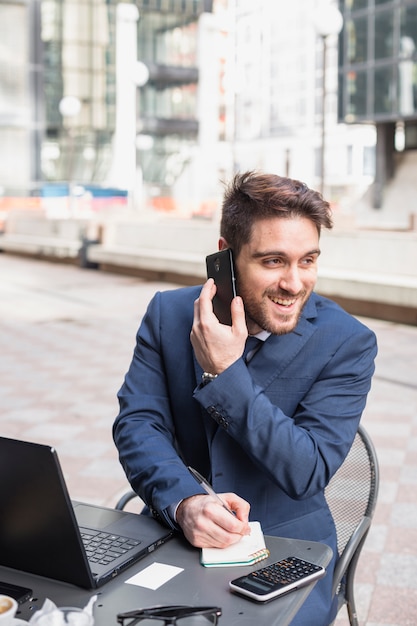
282	112
165	98
70	107
53	50
378	76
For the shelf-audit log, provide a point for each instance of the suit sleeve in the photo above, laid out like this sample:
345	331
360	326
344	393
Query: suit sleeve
144	431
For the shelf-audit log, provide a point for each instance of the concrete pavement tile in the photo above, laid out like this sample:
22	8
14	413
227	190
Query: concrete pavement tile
103	467
401	541
404	515
388	491
54	433
31	415
389	472
91	491
393	607
398	571
407	492
376	539
390	456
392	430
370	563
12	403
409	472
382	513
85	448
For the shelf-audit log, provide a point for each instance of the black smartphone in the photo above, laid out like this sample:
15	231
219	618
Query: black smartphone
274	580
220	267
20	594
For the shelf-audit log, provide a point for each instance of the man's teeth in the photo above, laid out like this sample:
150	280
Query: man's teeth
283	302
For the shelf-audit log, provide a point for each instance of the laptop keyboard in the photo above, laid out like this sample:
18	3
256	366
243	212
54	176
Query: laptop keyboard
103	548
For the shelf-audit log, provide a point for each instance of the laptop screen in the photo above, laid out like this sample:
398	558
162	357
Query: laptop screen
43	532
38	529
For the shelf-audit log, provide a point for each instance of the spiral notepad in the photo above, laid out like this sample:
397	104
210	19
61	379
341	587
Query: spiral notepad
249	550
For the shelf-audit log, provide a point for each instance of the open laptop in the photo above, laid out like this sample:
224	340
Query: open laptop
44	533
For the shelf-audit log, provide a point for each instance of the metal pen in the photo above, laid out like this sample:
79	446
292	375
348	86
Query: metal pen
208	488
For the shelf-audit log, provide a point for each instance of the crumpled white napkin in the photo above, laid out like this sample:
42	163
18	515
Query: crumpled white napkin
51	615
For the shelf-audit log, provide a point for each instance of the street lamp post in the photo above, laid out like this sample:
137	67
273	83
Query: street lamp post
70	107
123	169
328	21
142	142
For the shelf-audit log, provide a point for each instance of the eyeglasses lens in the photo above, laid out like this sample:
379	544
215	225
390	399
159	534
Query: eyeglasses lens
173	616
190	620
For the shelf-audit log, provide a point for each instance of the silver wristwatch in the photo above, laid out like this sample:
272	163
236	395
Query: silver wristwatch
207	378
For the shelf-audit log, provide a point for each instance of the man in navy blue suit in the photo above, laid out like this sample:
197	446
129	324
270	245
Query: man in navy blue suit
269	432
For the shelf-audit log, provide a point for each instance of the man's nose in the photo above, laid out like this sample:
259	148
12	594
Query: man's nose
290	280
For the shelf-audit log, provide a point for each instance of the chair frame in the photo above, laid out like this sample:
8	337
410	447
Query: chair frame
125	498
344	573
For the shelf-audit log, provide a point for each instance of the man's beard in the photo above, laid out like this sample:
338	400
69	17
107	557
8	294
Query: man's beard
280	324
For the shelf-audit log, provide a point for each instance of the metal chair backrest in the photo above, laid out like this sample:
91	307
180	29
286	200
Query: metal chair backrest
352	495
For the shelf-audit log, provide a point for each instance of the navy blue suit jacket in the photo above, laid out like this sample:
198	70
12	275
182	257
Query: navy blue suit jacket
273	431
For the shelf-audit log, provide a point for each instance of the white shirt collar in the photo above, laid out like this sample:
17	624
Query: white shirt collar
262	335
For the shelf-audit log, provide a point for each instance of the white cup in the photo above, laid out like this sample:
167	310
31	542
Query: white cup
8	608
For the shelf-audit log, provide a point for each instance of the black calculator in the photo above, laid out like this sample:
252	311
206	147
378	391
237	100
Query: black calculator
276	579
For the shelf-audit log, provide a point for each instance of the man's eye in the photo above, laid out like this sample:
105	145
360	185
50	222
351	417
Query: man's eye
273	262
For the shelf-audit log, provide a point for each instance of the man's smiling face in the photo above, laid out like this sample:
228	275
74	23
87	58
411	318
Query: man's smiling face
277	272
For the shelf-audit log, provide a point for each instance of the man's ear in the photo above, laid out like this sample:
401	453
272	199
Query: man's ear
223	244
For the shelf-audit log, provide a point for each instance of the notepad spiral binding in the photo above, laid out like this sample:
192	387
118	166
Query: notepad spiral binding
260	555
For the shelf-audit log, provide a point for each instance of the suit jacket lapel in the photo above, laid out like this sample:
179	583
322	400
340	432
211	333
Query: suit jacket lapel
279	350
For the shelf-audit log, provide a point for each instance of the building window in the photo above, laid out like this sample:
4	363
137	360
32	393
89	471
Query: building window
369	161
357	4
385	96
384	35
356	83
349	160
357	39
378	61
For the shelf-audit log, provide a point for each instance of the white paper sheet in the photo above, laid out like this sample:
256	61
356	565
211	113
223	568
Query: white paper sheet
154	576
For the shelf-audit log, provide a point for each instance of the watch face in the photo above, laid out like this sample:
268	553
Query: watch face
207	378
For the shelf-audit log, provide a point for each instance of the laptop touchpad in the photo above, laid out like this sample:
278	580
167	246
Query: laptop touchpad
96	517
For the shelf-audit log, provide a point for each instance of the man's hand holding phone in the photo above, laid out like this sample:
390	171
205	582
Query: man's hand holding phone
219	330
221	268
217	345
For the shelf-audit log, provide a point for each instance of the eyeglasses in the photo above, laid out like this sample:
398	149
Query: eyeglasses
172	615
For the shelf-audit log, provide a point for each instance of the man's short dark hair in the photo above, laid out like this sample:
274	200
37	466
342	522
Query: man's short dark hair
253	196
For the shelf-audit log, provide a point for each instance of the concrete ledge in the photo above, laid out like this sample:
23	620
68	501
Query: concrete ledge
173	250
185	263
29	232
390	289
384	254
391	298
40	246
372	273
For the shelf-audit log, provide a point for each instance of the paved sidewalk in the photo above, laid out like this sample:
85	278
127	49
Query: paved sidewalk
66	339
